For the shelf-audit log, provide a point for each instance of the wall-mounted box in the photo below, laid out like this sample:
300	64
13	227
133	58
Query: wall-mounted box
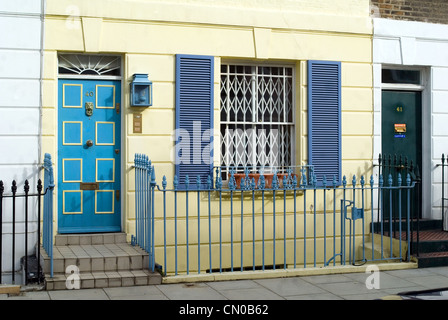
141	91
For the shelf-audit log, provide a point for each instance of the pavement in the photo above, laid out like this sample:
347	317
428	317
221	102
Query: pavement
349	286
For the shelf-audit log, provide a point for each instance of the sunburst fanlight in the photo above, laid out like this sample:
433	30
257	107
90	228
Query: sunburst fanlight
99	65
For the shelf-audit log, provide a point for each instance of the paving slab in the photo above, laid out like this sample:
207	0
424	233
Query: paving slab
84	294
438	270
430	281
135	293
330	278
32	295
371	295
194	291
347	286
386	280
233	285
290	286
407	289
344	288
409	273
259	293
320	296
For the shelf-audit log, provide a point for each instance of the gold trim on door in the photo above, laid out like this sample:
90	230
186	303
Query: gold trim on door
63	95
113	99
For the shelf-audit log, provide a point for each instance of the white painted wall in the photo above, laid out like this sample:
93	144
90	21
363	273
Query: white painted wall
423	46
20	103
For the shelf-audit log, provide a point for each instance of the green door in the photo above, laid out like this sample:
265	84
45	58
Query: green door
401	142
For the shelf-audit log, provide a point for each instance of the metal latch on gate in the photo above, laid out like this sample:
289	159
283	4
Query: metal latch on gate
357	213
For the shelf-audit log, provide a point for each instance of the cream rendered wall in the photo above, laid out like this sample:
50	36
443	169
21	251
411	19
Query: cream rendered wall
148	35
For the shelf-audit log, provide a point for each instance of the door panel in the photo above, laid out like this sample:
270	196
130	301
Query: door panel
89	156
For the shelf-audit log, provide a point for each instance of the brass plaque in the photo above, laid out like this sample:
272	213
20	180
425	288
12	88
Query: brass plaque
137	123
400	127
89	186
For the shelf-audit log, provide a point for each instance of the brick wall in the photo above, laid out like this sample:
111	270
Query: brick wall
434	11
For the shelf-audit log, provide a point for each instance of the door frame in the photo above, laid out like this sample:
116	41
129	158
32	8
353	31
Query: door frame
425	88
122	131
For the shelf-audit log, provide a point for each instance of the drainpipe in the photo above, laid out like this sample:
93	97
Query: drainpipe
42	40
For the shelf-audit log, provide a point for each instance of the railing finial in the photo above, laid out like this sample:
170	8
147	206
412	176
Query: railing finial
164	182
175	182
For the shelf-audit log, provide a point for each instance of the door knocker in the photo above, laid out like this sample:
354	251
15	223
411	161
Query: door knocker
89	108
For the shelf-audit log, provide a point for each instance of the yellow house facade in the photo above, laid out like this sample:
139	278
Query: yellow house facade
92	51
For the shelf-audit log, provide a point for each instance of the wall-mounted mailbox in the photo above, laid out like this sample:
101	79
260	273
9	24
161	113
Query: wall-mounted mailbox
141	91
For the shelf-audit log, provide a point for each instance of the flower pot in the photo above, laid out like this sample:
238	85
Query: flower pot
269	177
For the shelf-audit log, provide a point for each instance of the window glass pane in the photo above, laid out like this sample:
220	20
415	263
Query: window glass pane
81	64
401	76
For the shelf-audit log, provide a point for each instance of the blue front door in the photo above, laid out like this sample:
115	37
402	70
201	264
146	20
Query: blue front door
89	156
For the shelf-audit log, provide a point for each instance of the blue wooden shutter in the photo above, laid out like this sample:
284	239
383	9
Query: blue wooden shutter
324	119
194	105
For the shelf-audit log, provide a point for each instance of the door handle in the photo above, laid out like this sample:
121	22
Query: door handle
117	195
89	143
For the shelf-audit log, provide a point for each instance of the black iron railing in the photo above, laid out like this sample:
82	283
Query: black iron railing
443	164
392	166
10	201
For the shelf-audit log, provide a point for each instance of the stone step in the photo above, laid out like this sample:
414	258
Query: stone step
90	238
96	258
432	259
421	224
97	261
89	280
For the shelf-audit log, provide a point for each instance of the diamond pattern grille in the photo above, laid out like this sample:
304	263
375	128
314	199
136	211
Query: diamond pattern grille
256	116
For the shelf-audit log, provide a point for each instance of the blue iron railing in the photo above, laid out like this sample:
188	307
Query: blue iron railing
144	206
250	225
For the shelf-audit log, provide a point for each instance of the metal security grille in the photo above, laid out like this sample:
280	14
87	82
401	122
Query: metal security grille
257	119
